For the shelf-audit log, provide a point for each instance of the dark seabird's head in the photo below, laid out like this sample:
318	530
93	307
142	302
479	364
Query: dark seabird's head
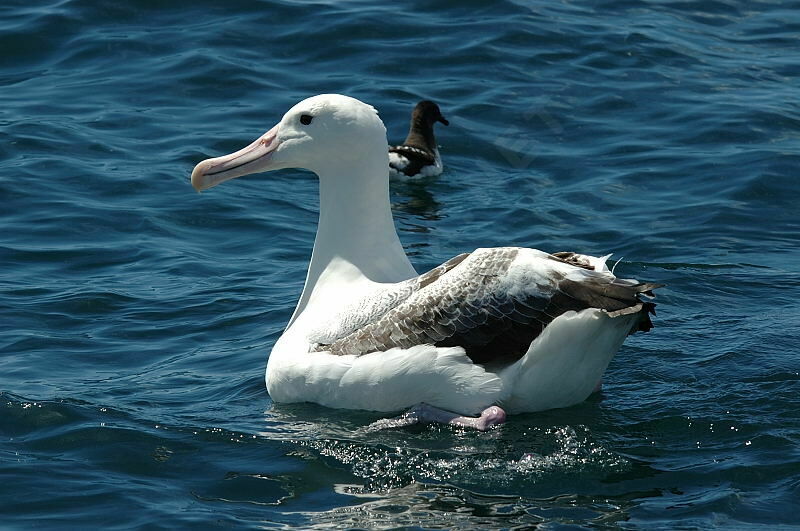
428	113
420	134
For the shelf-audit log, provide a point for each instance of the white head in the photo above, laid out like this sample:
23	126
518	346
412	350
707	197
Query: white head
320	134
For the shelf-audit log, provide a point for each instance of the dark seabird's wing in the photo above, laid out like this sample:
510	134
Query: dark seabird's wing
494	305
417	158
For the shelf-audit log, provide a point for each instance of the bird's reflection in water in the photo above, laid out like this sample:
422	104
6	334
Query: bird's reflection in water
413	197
415	209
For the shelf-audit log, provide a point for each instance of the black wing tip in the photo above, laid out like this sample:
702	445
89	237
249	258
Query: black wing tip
646	309
645	324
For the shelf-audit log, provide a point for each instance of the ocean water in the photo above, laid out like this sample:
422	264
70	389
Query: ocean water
136	316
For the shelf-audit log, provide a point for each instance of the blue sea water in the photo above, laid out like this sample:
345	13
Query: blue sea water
136	316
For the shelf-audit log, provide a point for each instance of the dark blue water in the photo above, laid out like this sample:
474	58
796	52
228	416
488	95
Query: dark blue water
136	316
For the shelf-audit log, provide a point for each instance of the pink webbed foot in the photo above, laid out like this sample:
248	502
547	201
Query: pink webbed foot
490	417
426	414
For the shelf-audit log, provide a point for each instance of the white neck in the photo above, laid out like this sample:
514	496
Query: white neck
356	244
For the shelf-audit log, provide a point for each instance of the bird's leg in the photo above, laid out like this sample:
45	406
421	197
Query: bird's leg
424	414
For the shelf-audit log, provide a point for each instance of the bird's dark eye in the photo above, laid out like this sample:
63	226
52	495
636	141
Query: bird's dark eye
305	119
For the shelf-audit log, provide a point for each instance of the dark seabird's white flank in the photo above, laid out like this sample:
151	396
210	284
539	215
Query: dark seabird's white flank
511	327
418	155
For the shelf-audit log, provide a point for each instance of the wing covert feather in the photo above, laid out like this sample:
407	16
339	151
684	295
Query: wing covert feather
472	302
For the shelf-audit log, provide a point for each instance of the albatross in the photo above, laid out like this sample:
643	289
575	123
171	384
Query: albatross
493	331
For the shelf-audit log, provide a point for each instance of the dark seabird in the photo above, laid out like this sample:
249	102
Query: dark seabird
418	155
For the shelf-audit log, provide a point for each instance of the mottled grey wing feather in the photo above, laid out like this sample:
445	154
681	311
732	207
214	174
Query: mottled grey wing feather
470	310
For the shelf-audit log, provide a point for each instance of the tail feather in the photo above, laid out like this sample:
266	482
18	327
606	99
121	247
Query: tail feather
616	298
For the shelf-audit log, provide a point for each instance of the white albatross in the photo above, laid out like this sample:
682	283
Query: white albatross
496	329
